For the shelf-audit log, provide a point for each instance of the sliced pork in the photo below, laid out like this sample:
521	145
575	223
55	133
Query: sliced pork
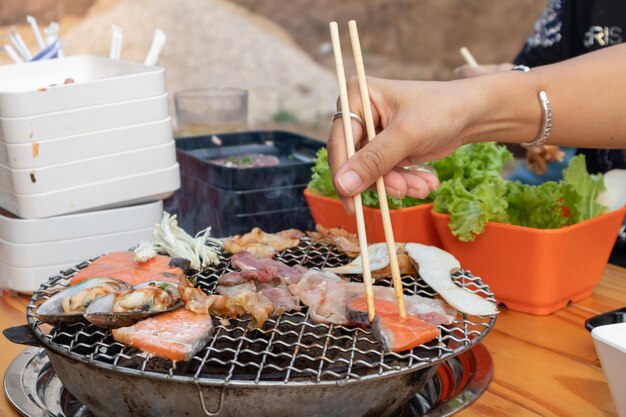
327	297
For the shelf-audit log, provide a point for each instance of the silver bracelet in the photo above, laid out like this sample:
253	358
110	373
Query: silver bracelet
546	116
546	123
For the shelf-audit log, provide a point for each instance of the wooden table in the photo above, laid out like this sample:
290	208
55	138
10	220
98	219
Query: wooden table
544	366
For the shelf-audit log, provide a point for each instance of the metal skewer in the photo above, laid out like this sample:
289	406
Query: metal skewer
380	183
349	138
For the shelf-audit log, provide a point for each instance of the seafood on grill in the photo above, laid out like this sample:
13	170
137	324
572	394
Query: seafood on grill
379	262
70	304
327	297
435	266
263	245
395	333
345	241
125	308
231	301
176	335
122	266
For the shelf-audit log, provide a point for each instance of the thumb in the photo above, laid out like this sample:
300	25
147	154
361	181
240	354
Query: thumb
371	162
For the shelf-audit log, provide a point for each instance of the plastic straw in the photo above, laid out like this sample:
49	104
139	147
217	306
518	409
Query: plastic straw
116	42
51	32
14	55
158	40
19	45
35	28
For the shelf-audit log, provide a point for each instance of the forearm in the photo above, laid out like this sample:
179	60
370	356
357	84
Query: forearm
586	96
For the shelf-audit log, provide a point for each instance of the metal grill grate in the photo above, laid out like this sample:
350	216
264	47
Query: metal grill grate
290	349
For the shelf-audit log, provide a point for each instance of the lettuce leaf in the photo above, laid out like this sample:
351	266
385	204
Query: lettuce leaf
321	179
580	191
538	206
322	184
473	190
471	208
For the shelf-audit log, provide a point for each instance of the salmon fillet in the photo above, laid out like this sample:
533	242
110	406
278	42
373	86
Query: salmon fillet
177	335
120	265
394	332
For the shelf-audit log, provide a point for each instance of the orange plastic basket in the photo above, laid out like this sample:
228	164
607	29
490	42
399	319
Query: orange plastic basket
413	224
537	271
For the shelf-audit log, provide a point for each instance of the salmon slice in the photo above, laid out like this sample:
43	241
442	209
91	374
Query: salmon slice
177	335
394	332
120	265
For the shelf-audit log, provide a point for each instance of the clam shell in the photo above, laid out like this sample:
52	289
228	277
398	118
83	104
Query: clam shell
51	311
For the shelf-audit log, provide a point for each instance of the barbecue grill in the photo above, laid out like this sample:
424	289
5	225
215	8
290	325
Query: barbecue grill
290	367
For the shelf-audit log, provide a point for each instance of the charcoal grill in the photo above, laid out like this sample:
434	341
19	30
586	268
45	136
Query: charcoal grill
290	367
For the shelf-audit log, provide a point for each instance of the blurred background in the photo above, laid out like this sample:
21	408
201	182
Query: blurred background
279	50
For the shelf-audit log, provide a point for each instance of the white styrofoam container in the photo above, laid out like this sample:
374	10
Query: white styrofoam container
610	342
87	145
133	189
37	87
28	278
48	253
54	125
73	226
87	171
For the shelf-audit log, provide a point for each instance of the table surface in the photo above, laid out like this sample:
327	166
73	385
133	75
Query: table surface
544	366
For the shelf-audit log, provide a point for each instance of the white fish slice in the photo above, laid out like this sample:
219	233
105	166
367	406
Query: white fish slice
435	266
378	256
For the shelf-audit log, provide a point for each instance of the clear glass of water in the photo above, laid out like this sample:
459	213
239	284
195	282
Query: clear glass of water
211	110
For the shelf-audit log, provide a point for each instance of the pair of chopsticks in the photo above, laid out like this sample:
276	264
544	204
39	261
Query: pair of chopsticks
380	184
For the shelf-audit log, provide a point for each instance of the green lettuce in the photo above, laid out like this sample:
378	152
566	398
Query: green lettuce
539	206
321	179
472	190
580	191
322	184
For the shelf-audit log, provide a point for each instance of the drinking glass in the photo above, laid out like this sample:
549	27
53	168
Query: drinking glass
211	110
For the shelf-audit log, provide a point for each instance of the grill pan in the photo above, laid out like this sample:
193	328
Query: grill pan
290	367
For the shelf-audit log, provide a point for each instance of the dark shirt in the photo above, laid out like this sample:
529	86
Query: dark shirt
569	28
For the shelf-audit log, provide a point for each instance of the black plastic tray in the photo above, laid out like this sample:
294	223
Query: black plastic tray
194	216
244	201
610	317
295	152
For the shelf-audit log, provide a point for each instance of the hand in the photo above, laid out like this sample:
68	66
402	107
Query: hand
468	71
416	122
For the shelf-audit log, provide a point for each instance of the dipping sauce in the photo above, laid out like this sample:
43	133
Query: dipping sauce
250	160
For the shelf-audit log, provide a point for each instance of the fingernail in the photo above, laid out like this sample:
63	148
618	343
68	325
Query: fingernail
349	182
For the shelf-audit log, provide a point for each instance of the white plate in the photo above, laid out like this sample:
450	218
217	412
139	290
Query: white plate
73	226
47	126
87	171
27	89
88	145
610	342
27	255
135	189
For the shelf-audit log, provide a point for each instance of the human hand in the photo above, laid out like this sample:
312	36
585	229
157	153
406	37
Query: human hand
416	122
468	71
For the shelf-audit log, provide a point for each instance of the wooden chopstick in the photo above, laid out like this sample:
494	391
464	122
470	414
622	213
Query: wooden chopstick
469	58
380	183
358	205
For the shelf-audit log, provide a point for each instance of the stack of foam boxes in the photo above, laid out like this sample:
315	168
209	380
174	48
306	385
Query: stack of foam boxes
86	158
